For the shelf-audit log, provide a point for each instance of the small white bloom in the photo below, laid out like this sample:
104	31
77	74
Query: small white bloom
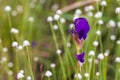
71	26
98	32
97	73
90	13
107	51
106	54
56	17
89	8
14	30
21	71
117	59
14	44
48	73
100	21
58	51
117	10
112	37
98	15
14	13
62	20
5	49
103	3
20	47
52	65
7	8
26	43
10	64
68	44
31	19
49	19
78	11
91	53
90	60
55	27
59	12
3	59
86	75
54	7
118	42
95	43
28	78
10	72
118	24
111	23
96	61
79	76
36	59
20	75
19	8
100	56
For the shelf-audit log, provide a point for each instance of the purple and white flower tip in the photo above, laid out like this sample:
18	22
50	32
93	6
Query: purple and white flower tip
81	28
80	57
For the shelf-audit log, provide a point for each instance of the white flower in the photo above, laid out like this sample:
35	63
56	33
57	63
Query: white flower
56	17
20	75
7	8
95	43
97	73
52	65
10	72
48	74
14	44
100	21
5	49
96	61
55	27
117	59
117	10
78	11
54	7
3	59
20	47
26	43
58	51
90	60
36	59
68	44
112	37
19	8
14	13
79	76
28	78
71	26
111	23
100	56
49	19
98	15
62	20
30	19
10	64
89	8
14	30
59	12
98	32
91	53
118	42
118	24
90	13
21	71
103	3
86	75
107	51
106	54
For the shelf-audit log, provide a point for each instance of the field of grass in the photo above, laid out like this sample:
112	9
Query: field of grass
38	40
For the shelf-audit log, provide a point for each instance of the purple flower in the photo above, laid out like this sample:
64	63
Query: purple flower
80	57
81	28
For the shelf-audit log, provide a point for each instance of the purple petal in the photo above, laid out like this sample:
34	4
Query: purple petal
82	27
80	57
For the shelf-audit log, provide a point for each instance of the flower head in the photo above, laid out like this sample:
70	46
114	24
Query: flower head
80	57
